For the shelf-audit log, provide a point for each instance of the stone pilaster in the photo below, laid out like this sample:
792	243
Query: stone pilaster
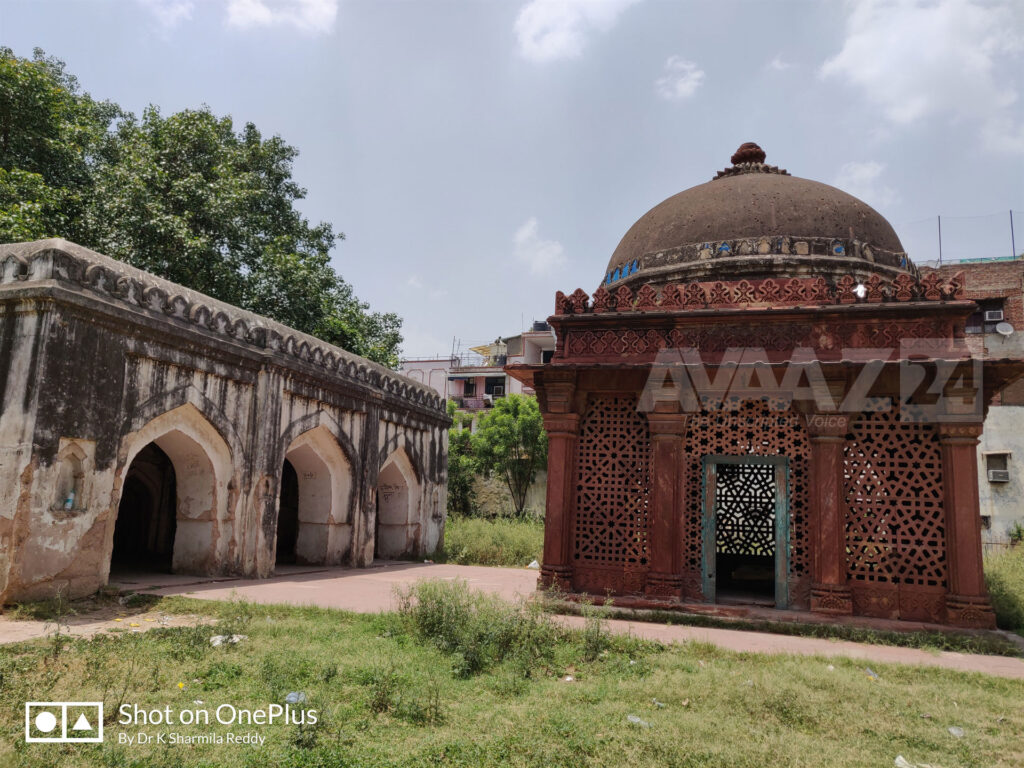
562	426
667	427
967	604
829	590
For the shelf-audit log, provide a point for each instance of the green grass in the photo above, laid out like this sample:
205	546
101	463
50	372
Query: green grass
499	541
966	641
397	690
1004	575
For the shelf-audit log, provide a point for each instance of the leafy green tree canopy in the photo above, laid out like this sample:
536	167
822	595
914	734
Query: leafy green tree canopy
183	196
510	442
461	467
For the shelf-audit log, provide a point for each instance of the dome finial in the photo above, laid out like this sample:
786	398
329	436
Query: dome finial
748	152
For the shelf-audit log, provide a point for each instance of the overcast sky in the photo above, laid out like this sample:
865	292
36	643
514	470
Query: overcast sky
481	155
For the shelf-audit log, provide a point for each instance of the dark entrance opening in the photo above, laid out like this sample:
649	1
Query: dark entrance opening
288	515
146	515
745	506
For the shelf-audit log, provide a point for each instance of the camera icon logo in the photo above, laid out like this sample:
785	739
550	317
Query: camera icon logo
63	722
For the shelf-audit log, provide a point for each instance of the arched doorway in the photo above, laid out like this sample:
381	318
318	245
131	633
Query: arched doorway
181	452
314	519
288	515
397	528
146	515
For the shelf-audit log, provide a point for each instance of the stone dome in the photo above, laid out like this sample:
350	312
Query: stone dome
755	221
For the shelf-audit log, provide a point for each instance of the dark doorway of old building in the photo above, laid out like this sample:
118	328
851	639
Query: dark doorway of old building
288	515
745	542
146	515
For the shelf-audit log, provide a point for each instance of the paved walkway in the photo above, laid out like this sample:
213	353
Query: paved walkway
371	590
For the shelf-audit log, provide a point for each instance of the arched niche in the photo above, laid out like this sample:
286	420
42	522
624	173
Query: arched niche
397	528
322	500
72	462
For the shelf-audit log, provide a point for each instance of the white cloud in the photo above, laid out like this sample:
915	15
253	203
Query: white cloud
304	15
862	180
548	30
540	256
681	80
779	64
170	13
914	60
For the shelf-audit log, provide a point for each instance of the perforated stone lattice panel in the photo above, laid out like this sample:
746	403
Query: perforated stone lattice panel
895	532
748	428
745	509
612	485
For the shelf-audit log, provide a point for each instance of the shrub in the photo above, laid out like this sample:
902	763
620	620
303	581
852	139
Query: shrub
479	630
1004	574
473	541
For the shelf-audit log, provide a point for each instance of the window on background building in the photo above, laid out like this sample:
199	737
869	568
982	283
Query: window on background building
494	385
988	316
997	466
469	388
546	355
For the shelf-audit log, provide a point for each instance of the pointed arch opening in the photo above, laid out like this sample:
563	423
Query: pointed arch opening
173	505
314	525
146	515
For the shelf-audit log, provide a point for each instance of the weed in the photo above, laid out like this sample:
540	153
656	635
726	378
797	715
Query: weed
220	674
306	733
59	609
594	635
382	681
422	710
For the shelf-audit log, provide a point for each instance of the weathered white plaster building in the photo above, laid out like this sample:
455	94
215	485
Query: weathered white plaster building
147	425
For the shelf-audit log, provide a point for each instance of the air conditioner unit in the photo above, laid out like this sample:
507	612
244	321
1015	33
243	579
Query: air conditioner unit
993	316
999	475
499	390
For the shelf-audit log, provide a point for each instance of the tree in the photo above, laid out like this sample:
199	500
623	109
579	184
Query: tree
510	441
185	197
461	469
461	495
51	138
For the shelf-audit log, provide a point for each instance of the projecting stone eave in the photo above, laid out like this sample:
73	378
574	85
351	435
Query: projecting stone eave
73	268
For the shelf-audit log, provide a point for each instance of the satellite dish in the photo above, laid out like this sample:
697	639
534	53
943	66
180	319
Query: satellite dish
1005	329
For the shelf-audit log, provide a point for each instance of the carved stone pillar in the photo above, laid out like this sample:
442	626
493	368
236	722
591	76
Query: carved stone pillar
562	425
829	590
967	604
665	504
